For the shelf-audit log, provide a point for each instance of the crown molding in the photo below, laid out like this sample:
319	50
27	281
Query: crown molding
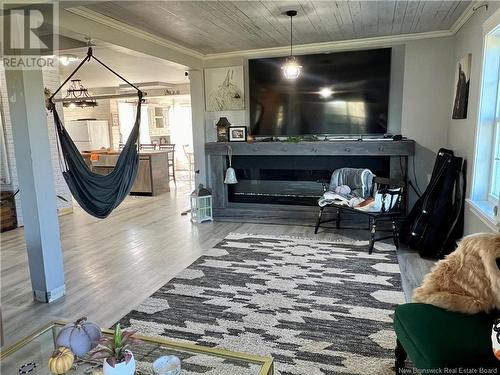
464	17
300	49
127	29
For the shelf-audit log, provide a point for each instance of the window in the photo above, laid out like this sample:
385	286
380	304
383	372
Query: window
486	184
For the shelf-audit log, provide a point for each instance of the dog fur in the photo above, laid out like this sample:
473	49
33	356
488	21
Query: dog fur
468	279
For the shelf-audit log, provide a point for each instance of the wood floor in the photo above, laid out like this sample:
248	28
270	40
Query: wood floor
112	265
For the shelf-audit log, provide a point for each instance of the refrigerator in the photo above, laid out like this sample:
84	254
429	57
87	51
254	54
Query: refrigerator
89	135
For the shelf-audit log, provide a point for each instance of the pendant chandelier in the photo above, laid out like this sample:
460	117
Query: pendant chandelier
291	68
78	96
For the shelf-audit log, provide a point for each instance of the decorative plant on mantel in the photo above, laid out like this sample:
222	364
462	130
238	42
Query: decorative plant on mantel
116	351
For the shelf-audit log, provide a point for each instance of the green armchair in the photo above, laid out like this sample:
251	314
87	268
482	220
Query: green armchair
437	339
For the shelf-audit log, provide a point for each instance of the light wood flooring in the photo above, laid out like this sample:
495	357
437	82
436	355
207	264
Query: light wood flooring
112	265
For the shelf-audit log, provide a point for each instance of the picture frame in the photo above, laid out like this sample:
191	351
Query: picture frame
462	83
237	133
224	89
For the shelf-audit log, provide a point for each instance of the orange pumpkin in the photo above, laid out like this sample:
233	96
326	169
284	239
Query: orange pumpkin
61	360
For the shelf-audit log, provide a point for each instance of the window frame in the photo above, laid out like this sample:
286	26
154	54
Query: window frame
481	202
494	146
494	158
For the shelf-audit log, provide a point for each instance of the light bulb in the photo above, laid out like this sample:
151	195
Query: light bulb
72	106
64	60
325	92
67	59
291	69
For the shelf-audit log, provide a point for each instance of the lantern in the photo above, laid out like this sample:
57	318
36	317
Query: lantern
201	205
222	126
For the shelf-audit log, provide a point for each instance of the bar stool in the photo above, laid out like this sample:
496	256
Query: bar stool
188	151
170	148
148	146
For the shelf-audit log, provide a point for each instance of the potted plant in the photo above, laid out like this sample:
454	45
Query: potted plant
118	359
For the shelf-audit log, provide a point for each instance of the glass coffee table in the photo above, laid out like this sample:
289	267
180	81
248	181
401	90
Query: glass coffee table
195	359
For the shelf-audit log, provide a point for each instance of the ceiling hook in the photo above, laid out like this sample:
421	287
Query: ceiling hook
485	5
89	45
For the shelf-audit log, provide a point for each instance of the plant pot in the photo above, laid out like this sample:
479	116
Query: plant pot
121	368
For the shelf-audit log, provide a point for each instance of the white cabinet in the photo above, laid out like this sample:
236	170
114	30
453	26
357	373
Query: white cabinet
89	134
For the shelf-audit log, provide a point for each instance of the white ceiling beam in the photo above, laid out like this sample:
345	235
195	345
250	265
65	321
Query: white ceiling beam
85	22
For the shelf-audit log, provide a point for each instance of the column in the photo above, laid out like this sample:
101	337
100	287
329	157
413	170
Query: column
36	183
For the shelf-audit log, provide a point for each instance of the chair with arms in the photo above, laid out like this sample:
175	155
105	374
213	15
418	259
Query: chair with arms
382	202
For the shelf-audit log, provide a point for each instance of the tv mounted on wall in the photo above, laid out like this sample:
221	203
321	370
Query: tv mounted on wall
343	93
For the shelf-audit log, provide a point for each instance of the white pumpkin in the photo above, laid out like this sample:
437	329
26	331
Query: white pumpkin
80	337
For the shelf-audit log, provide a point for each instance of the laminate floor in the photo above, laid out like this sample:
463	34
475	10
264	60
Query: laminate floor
112	265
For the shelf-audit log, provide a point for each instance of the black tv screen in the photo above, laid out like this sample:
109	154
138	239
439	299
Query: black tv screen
343	93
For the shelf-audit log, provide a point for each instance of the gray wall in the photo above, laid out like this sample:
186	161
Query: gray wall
426	102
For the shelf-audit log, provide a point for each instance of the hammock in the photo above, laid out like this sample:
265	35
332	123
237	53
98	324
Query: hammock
98	194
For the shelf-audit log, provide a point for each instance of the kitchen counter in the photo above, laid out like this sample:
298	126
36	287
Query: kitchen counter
152	176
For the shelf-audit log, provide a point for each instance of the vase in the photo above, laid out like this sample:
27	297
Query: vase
121	368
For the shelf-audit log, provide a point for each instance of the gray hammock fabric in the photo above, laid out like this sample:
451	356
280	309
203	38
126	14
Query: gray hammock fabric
99	194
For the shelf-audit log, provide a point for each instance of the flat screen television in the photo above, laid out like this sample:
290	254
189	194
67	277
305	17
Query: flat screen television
343	93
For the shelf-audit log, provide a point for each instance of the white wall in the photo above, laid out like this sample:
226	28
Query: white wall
51	81
461	134
101	112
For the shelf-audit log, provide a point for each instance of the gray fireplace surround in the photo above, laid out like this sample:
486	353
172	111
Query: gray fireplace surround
281	182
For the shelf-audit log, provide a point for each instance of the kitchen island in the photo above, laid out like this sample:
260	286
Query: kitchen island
152	176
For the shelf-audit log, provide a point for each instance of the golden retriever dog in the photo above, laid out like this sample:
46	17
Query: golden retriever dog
468	279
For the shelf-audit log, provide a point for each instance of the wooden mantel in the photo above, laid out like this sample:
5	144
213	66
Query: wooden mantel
321	148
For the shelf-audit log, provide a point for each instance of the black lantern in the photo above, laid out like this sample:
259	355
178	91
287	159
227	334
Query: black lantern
222	129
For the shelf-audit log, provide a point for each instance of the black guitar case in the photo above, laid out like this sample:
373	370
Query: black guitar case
436	220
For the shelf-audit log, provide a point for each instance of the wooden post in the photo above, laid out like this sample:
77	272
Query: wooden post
198	119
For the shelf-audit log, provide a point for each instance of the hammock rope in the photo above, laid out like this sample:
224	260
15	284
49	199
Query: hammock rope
98	194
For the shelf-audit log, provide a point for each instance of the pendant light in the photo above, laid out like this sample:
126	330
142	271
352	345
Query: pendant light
79	96
291	68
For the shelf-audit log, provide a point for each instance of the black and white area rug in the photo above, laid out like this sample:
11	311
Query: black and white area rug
317	307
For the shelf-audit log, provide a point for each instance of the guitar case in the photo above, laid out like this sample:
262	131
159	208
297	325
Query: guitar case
436	222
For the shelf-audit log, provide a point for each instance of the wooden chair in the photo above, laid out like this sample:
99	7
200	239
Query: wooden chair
391	193
148	146
170	148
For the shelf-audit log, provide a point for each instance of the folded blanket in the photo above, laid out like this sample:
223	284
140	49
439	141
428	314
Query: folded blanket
329	197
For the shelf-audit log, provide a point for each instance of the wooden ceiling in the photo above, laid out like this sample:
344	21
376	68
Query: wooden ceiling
224	26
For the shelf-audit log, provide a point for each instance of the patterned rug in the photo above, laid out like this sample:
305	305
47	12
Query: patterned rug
317	307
